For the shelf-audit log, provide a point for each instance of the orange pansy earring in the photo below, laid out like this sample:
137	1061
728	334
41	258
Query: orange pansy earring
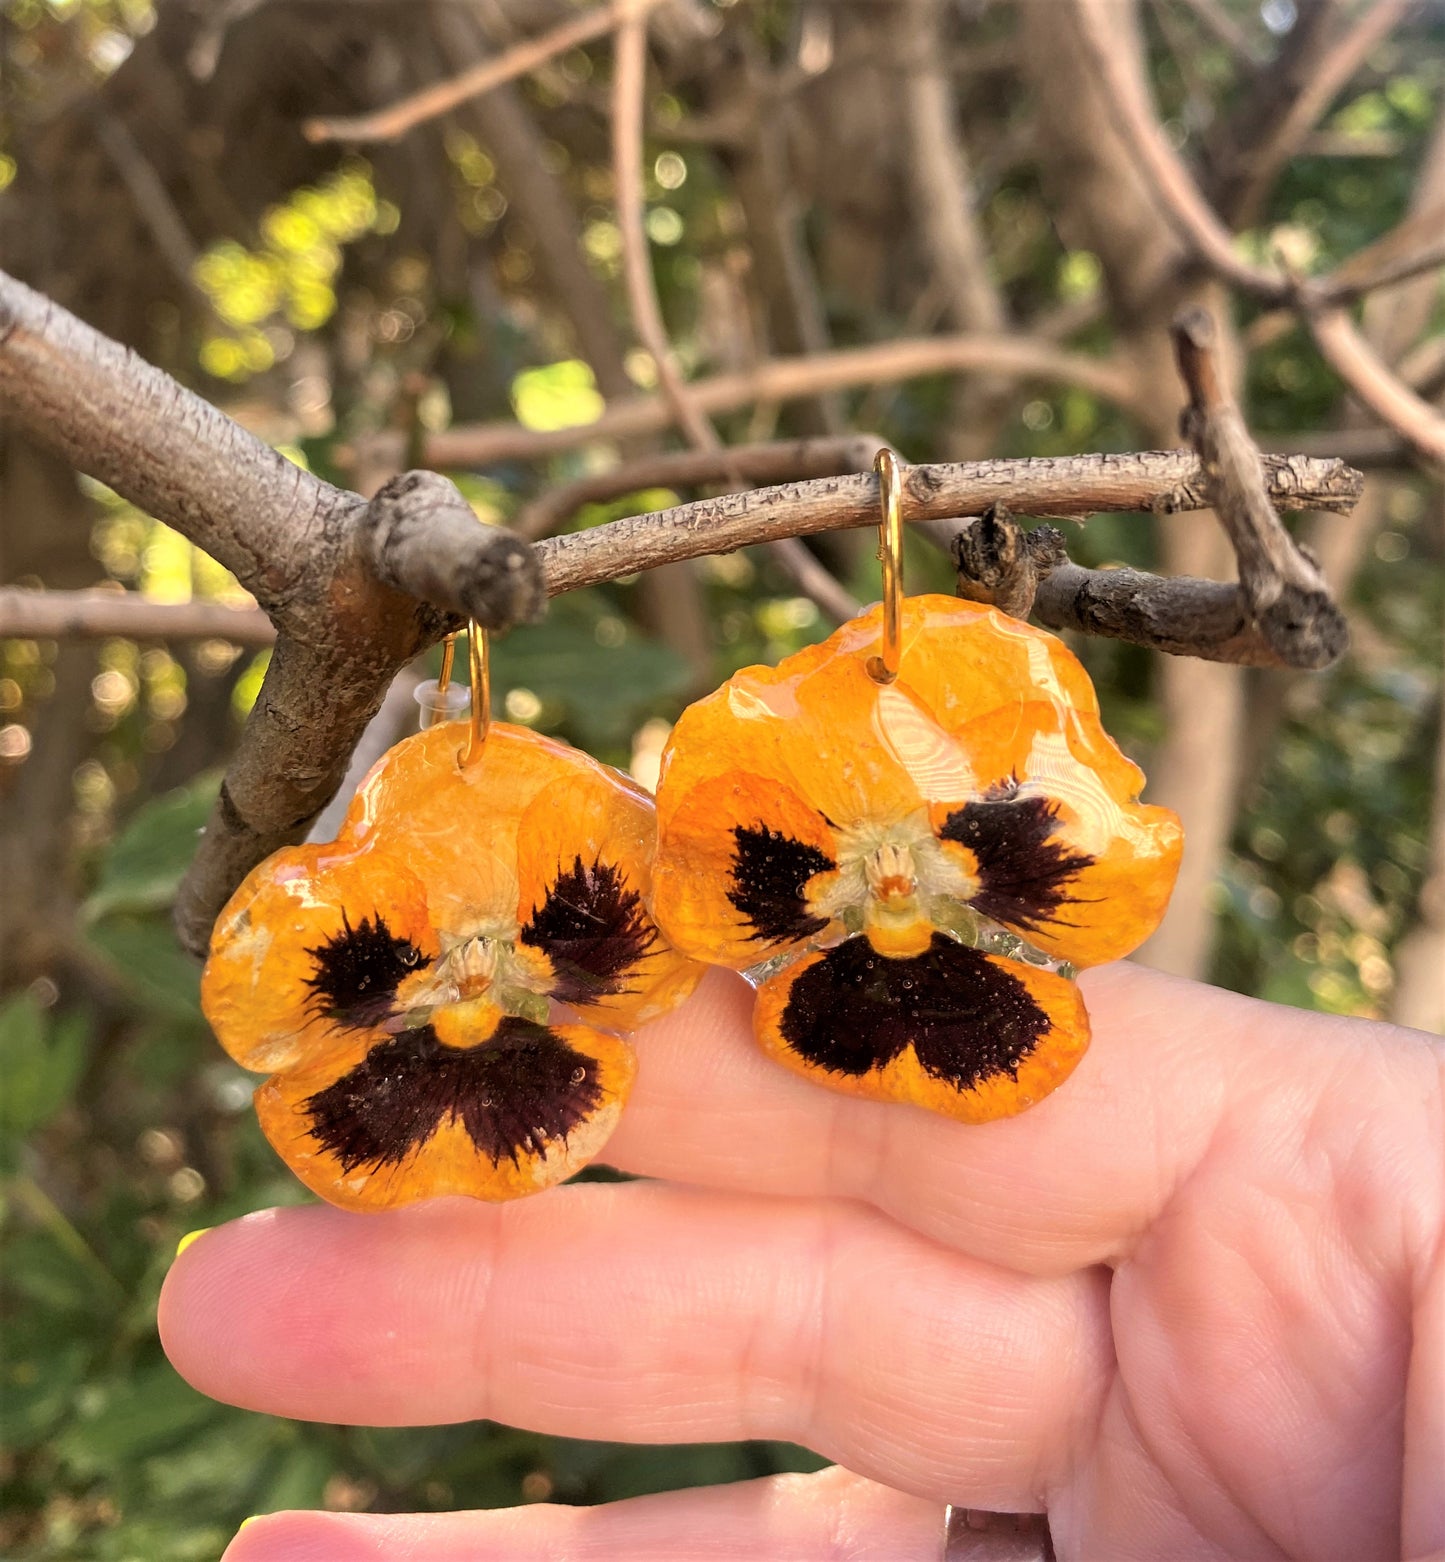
400	983
909	837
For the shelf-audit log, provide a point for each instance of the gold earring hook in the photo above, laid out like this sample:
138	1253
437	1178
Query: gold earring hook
449	650
479	658
884	668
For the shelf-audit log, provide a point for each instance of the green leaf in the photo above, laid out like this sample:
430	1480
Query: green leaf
37	1392
132	1418
143	868
147	959
41	1060
600	691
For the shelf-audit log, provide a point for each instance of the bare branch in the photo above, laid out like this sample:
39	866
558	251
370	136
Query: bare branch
629	84
1127	94
420	536
1288	598
629	71
1163	482
789	379
1295	106
1207	619
1185	208
1228	31
96	615
390	123
173	455
777	461
1414	246
1371	381
1020	571
151	199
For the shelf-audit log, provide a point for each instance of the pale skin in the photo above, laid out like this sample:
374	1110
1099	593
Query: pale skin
1192	1305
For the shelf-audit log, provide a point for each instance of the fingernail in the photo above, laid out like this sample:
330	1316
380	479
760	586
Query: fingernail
185	1242
254	1516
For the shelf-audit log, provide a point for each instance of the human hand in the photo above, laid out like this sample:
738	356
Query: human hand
1191	1305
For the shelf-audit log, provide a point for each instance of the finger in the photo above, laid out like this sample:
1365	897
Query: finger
787	1518
640	1312
1068	1183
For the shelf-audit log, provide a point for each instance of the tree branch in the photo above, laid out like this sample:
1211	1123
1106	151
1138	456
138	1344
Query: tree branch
176	457
629	90
1287	596
777	461
336	575
97	615
786	379
1207	619
1163	482
394	121
1369	378
1294	100
1022	572
1126	93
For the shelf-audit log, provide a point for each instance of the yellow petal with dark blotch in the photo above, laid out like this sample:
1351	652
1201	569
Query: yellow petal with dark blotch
732	867
585	850
308	948
971	1035
410	1118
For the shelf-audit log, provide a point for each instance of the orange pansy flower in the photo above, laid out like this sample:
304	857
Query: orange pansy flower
399	982
910	871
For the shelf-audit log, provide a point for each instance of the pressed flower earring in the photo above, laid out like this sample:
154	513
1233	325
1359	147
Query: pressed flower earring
399	982
909	838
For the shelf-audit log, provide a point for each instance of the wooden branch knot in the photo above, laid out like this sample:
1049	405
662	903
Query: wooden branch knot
1001	564
420	536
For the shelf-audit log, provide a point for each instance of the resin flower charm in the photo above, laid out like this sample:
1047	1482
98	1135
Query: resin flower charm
911	871
399	982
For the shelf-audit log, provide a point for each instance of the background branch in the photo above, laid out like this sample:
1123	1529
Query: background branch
1287	596
95	615
785	379
1367	376
395	120
629	90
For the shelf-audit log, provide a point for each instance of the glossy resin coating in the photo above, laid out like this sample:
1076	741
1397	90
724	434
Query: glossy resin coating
399	982
910	870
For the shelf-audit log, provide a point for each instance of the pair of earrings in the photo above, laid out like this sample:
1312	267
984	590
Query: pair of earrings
909	837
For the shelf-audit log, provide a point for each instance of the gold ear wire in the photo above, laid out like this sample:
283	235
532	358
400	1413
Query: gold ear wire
884	668
449	651
479	658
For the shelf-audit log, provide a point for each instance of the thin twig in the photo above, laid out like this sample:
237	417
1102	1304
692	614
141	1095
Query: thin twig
776	461
1295	104
1125	91
151	200
1415	245
1162	482
1207	619
1287	596
92	615
1228	31
1371	381
785	379
396	119
628	96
